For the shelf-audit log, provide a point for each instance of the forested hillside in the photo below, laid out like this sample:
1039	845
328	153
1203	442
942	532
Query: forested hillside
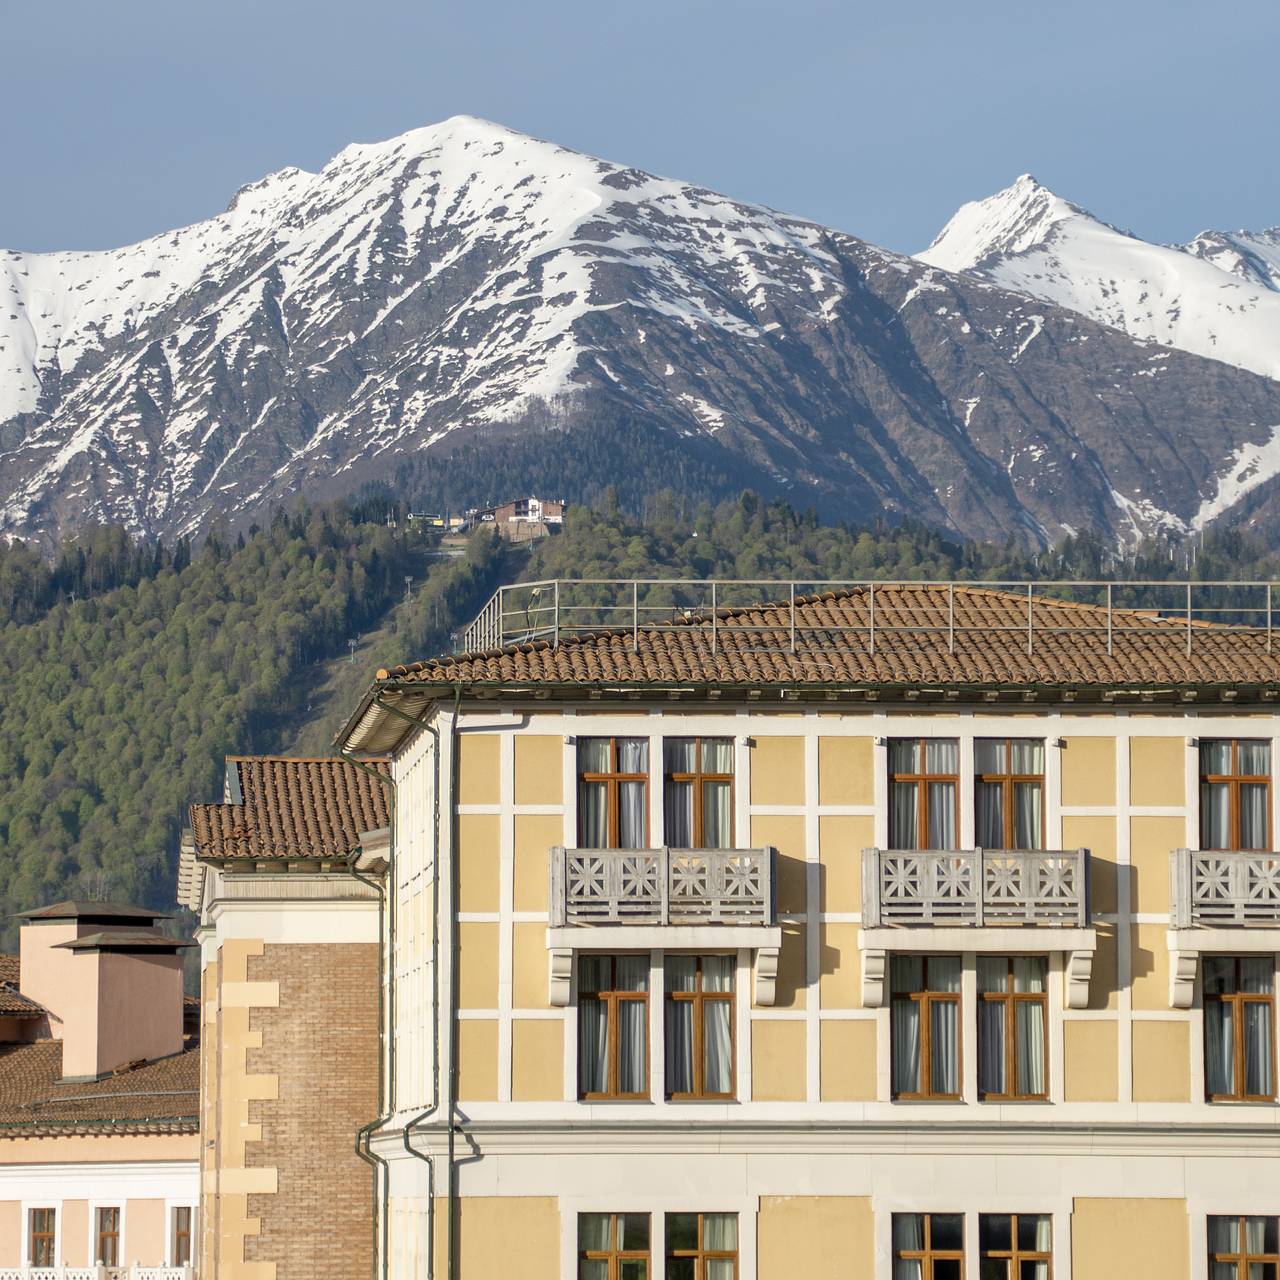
131	670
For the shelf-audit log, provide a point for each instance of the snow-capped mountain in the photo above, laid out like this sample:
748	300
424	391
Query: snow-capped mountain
466	292
1218	296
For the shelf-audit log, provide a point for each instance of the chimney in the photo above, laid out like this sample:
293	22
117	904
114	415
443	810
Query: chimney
111	983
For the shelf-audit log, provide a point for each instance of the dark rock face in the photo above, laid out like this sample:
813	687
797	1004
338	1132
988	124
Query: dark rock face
464	284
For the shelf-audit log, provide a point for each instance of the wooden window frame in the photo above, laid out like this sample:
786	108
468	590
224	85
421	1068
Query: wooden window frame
37	1236
702	1255
615	1255
1244	1258
929	1255
922	780
926	999
1009	781
1236	1001
1011	999
1233	781
612	999
697	997
697	778
612	779
181	1256
1015	1256
100	1235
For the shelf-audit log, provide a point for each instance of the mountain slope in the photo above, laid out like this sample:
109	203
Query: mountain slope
1217	297
467	291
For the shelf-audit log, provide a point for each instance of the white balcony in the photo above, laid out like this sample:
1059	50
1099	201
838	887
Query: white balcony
668	899
1219	901
980	900
134	1272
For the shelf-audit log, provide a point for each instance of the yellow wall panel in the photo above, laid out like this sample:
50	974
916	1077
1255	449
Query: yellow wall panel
537	1060
1157	771
1129	1239
1089	771
1152	840
506	1236
529	964
838	966
1149	966
792	968
477	966
777	771
1104	983
478	862
1098	835
777	1061
849	1061
841	840
535	835
1091	1067
478	768
1161	1062
786	834
478	1060
817	1237
539	763
846	771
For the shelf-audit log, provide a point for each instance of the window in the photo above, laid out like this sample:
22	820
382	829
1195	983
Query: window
1013	1053
928	1246
181	1236
613	1026
1235	794
1244	1248
698	796
42	1239
699	1027
613	793
1239	1044
702	1246
1015	1246
613	1246
925	1026
107	1233
1008	807
924	790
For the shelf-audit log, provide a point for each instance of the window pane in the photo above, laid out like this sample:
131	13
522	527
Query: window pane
593	815
720	1269
717	973
633	1035
1253	758
715	815
945	1047
988	755
594	755
1035	1232
1215	758
593	1232
1219	1049
904	755
682	1231
947	1269
941	755
993	1269
680	1268
946	1231
1219	975
903	816
632	817
942	815
1256	975
678	814
593	1039
1028	973
906	974
988	815
905	1036
1253	816
991	1056
1257	1049
944	973
1029	1046
717	1047
631	973
678	755
1028	825
633	755
681	972
1215	815
634	1230
633	1269
1224	1235
720	1232
995	1231
1028	755
679	1049
993	973
908	1232
717	755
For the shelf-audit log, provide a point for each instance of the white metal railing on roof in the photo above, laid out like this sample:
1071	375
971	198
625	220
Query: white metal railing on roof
1221	888
661	886
984	887
557	609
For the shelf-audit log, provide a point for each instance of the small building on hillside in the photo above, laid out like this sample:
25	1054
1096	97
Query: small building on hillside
522	519
99	1098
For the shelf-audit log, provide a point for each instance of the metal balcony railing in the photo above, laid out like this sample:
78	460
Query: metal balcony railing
993	887
661	886
1224	889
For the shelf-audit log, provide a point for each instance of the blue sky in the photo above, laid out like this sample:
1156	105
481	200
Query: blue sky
122	120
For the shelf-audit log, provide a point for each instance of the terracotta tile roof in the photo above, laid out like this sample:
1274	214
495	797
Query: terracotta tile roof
124	940
291	808
92	911
13	1004
158	1097
9	969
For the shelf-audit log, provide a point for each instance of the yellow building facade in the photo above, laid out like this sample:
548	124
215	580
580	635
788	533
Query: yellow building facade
951	958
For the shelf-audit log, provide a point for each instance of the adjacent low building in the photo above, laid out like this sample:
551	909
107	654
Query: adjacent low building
99	1098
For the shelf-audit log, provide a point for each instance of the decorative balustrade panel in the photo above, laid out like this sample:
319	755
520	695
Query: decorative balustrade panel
661	886
975	887
135	1272
1225	889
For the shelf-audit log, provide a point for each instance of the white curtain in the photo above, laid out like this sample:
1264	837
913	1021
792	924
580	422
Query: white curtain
1219	1049
681	975
1224	1238
717	1040
678	757
633	757
1253	816
908	1235
632	1035
1029	975
1253	758
1215	815
593	1039
720	1235
903	811
944	1030
1028	823
991	1059
1044	1243
906	975
942	815
1257	1050
593	815
717	757
989	816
